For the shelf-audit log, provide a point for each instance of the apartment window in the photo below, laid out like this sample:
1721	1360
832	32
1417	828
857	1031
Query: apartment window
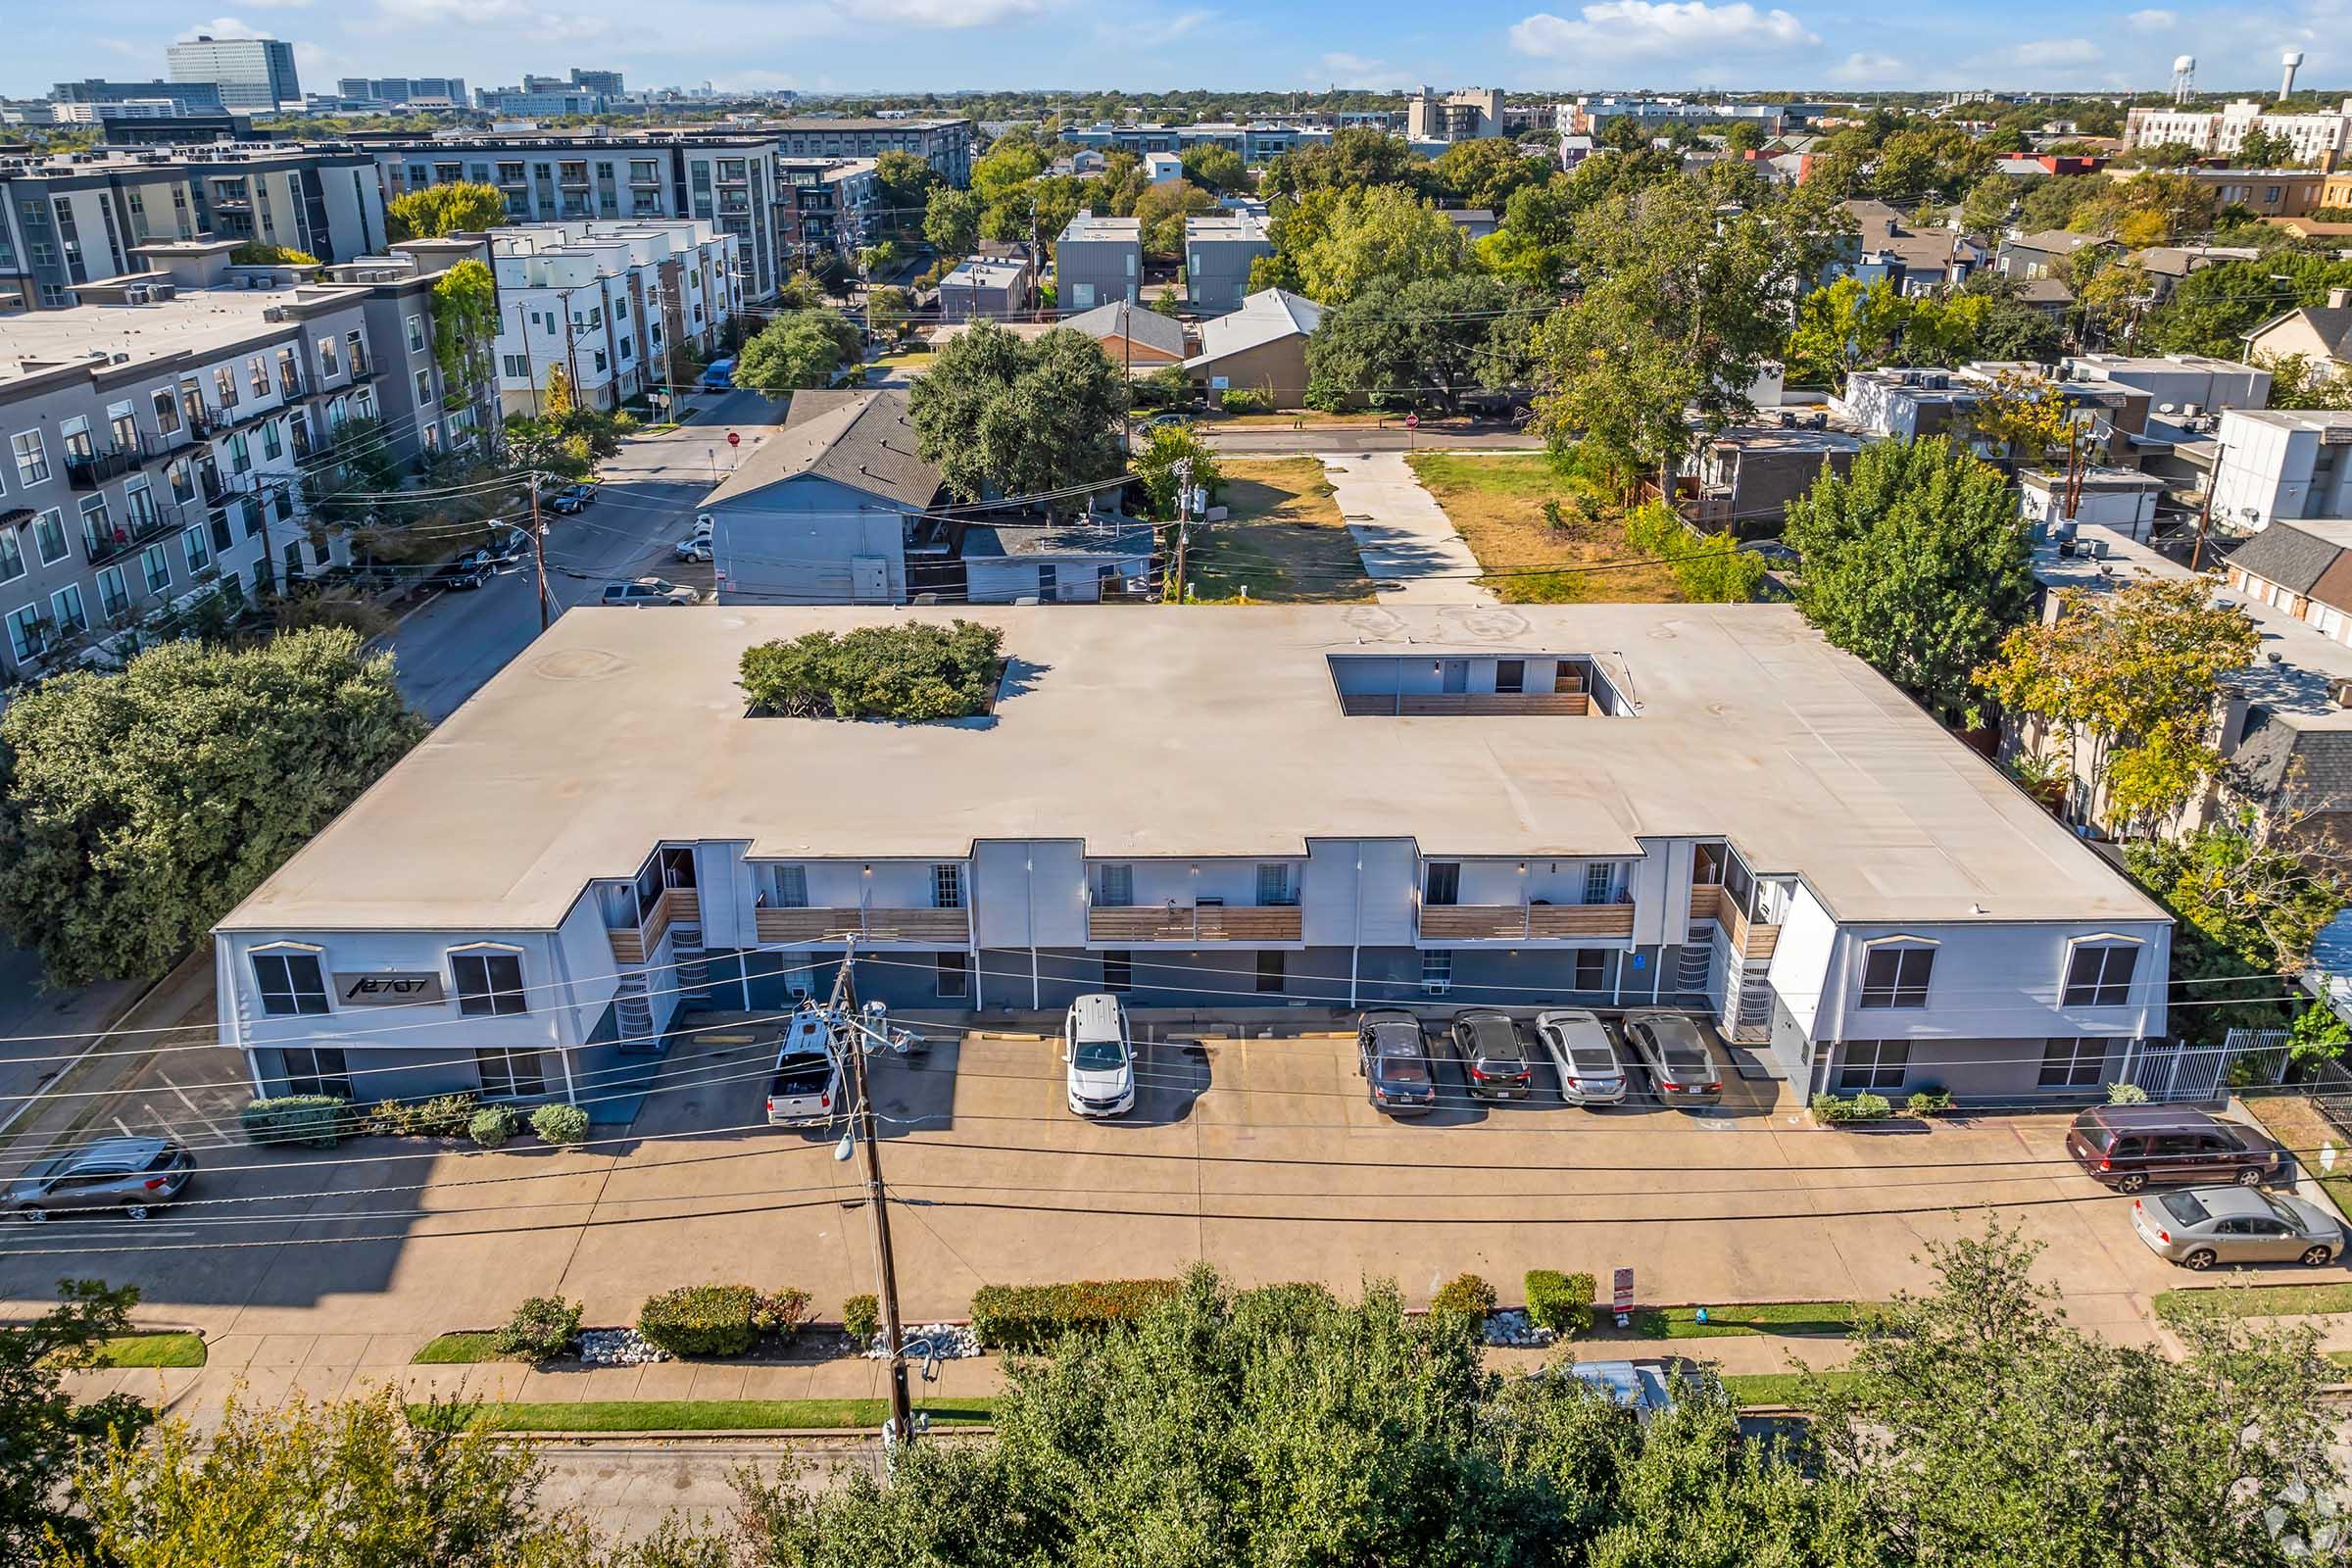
1877	1064
1592	969
250	511
1600	883
1896	977
180	474
415	334
2072	1063
222	539
224	385
947	886
25	637
355	349
953	974
257	375
1117	887
65	607
1275	889
425	389
155	564
1510	675
12	556
1442	882
123	427
329	357
113	594
240	453
1269	970
2100	975
167	413
33	462
792	887
273	445
488	984
518	366
1436	968
510	1074
290	984
49	537
317	1070
1119	970
602	364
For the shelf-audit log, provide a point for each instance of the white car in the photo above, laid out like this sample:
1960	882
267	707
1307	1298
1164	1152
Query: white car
694	547
804	1088
1100	1057
647	591
1578	1044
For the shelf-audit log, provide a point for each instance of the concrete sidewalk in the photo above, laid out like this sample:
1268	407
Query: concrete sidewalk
1411	547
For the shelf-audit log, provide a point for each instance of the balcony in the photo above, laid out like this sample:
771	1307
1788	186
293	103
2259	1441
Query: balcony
1525	922
936	928
1748	939
1199	922
634	945
88	471
121	537
1465	704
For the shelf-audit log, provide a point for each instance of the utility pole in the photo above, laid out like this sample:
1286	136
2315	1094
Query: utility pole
843	1009
1183	468
539	551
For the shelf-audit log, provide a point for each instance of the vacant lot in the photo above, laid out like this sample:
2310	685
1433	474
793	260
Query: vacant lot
1497	505
1282	540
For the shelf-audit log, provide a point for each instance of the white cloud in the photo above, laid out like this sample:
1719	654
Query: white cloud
2153	20
276	5
950	14
222	28
1346	69
1626	27
2057	52
1165	27
1869	68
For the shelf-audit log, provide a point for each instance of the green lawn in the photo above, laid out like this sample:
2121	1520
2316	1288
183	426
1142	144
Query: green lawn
2253	1301
1779	1387
457	1349
1765	1317
719	1415
175	1348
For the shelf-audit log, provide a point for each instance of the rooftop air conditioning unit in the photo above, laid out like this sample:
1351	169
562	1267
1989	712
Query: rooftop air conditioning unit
2341	691
2190	410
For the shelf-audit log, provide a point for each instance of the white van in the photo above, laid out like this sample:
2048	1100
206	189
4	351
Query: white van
1099	1057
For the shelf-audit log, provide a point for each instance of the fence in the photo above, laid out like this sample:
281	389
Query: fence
2173	1070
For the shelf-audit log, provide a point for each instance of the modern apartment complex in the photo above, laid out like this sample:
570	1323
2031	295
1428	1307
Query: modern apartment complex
2275	464
2319	139
252	74
1464	116
946	144
1218	249
1610	805
609	302
405	92
1258	142
1098	261
75	219
185	97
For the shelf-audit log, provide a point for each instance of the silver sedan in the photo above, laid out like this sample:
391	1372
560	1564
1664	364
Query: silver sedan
1578	1043
2198	1227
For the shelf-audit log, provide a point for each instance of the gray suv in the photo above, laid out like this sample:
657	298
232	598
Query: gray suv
135	1175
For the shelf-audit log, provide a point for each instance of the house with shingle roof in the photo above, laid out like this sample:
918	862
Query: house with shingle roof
2321	334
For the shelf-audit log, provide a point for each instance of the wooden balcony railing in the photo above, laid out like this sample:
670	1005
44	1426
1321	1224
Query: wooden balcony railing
1204	922
1524	922
1748	939
675	905
1471	704
933	927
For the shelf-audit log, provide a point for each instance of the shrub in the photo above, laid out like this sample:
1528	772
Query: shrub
1325	395
442	1116
1031	1317
317	1121
862	1317
1864	1106
2122	1094
491	1126
1465	1294
1560	1303
701	1320
781	1312
561	1124
1554	518
540	1328
1245	400
912	671
1929	1102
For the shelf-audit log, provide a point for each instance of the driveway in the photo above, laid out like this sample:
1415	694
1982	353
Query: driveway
1411	551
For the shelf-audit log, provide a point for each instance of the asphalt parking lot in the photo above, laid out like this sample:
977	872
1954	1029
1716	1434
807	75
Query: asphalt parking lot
1259	1156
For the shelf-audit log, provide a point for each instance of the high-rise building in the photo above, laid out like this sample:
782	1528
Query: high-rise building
251	73
400	92
187	97
605	81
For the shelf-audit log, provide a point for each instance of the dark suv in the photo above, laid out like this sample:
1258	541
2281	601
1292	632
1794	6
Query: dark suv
1393	1060
2128	1147
1495	1060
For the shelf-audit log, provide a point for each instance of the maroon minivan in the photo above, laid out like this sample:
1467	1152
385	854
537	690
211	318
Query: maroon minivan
2128	1147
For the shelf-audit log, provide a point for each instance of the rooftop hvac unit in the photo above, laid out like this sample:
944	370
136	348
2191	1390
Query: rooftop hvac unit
2341	691
2164	408
2189	410
2098	549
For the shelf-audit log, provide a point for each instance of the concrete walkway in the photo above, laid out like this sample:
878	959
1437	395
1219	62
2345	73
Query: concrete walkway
1409	546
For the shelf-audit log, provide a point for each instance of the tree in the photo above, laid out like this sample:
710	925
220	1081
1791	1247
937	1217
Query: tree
887	311
1356	156
1404	343
1343	241
1742	136
1989	204
905	185
138	808
951	222
464	312
1708	569
1161	210
43	1430
2132	679
2299	382
1849	325
1915	562
1488	172
2009	328
2259	149
459	208
801	349
556	399
912	671
2033	421
254	253
1000	416
1531	247
1155	464
2213	308
1215	167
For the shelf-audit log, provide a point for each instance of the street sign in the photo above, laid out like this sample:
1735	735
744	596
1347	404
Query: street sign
1412	421
733	440
1621	1293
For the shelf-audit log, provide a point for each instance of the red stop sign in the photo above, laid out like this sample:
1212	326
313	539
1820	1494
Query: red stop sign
1412	421
733	440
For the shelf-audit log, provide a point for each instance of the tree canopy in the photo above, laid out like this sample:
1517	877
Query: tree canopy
1341	240
912	671
1404	343
1000	415
43	1430
460	208
796	350
137	807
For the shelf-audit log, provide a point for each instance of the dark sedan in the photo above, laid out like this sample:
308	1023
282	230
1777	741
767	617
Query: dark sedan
572	500
1392	1058
1494	1059
1671	1047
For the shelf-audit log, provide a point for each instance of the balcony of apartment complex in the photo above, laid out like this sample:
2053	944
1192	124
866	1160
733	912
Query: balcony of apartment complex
639	914
1253	902
1525	901
93	467
1435	686
573	176
884	902
1749	909
106	540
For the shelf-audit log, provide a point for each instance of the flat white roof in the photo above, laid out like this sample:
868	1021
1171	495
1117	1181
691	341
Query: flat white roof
194	321
1210	731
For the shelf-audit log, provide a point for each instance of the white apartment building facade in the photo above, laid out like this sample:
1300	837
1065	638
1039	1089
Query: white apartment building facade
607	303
1612	806
2281	463
2319	140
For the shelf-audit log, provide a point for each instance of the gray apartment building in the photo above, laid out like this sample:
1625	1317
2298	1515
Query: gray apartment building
1098	261
75	219
185	97
946	144
402	92
254	74
1218	249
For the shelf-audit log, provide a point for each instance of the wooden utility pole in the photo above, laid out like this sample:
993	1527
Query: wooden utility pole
1183	468
844	1010
539	552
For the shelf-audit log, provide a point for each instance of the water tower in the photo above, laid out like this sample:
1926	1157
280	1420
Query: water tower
2184	77
2291	61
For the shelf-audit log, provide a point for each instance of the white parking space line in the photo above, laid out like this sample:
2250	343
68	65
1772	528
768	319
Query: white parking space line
124	1128
210	1125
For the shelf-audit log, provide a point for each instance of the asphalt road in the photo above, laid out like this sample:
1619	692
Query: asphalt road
36	1023
448	647
625	1486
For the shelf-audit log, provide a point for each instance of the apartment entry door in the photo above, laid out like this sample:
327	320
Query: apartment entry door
1453	676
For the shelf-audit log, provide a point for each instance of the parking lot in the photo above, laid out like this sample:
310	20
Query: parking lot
1260	1155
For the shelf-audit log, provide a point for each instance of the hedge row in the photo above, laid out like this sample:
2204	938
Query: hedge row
719	1319
323	1121
316	1120
1032	1318
1560	1303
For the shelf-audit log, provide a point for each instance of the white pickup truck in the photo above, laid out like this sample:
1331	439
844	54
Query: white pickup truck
806	1089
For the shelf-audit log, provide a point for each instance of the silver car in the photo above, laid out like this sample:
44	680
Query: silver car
2198	1227
135	1176
1579	1045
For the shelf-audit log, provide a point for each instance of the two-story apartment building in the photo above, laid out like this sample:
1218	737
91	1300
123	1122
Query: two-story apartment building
1612	806
1098	261
2275	464
1217	252
606	303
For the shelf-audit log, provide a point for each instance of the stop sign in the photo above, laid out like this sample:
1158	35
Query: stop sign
733	440
1412	421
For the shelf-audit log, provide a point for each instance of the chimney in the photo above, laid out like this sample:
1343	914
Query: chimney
2338	298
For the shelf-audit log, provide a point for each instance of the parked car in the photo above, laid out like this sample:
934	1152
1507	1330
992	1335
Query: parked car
1578	1044
718	375
2198	1227
509	547
1392	1058
1157	420
134	1176
1640	1389
1676	1055
1099	1057
695	546
571	500
1494	1059
468	571
2129	1146
806	1089
647	591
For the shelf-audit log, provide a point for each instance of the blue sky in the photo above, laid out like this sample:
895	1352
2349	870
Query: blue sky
1134	44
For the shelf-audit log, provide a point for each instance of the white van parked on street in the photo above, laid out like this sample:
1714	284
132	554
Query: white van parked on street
1099	1057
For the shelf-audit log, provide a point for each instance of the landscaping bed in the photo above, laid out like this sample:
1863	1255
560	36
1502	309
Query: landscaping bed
180	1348
1833	1319
2253	1301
